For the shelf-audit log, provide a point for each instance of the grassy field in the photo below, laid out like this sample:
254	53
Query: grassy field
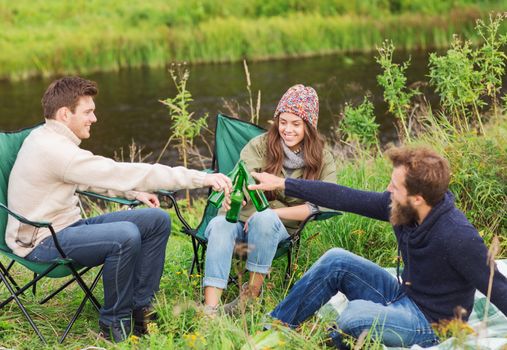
181	326
478	157
56	37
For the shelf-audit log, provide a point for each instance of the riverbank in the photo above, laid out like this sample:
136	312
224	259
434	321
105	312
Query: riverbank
44	38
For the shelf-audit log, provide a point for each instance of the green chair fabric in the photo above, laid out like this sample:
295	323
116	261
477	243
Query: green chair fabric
119	200
231	135
10	143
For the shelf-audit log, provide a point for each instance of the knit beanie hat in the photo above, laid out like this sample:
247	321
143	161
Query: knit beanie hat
302	101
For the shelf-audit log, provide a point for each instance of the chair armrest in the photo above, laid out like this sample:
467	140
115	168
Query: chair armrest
119	200
324	215
170	196
37	224
25	220
317	216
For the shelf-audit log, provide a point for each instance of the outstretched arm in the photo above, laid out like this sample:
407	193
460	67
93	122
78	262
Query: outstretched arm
371	204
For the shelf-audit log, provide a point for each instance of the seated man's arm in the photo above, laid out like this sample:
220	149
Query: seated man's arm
100	172
371	204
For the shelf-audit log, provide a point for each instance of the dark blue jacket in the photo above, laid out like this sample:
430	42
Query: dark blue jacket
444	258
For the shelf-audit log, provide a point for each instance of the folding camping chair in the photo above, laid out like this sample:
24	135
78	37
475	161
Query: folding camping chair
10	143
231	135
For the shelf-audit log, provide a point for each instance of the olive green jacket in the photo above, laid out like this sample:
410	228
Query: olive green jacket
254	154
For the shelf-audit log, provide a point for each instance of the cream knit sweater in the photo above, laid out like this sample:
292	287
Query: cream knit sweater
50	167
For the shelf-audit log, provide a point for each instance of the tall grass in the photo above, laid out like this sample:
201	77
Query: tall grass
44	38
479	182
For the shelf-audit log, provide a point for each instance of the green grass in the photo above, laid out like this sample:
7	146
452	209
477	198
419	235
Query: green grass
45	38
478	183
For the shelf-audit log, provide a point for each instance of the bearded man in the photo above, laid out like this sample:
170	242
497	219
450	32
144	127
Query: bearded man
445	259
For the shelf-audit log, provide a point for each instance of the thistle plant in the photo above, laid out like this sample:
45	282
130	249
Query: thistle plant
458	83
393	81
465	76
184	128
358	125
490	56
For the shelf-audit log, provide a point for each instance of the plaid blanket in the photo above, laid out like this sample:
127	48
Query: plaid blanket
492	337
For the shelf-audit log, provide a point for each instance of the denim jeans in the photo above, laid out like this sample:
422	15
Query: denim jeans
265	231
375	300
131	244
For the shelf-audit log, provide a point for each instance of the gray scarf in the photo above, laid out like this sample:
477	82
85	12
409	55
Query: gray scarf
292	161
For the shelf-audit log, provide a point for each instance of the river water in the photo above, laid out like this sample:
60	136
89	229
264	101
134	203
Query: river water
128	106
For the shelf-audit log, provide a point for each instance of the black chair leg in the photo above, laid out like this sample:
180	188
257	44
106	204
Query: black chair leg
288	271
200	268
195	260
34	287
49	297
26	287
85	288
81	306
21	306
5	271
10	265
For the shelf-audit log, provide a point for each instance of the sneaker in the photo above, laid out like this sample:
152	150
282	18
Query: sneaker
142	317
117	332
245	297
209	311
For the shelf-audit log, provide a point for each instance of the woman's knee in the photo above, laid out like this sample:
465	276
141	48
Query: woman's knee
265	224
266	217
220	228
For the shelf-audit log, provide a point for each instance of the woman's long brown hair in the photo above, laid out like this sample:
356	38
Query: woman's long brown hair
313	148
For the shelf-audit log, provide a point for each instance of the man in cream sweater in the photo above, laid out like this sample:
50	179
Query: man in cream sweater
131	244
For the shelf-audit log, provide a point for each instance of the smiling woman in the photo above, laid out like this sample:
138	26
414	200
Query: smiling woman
292	131
293	148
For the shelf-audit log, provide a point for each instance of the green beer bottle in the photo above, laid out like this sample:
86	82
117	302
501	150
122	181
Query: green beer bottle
258	198
216	197
236	198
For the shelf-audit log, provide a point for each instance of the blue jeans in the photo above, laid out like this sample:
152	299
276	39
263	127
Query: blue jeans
131	244
265	231
375	300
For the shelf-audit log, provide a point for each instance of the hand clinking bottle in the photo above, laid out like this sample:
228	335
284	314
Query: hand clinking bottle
240	177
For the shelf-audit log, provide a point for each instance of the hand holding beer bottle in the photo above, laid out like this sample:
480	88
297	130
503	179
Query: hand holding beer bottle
241	177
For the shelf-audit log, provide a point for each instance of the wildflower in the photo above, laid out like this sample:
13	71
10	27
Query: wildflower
134	339
153	328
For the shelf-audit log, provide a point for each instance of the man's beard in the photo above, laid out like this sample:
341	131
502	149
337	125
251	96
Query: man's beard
402	214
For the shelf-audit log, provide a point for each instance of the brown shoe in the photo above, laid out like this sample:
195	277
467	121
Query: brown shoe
142	317
116	332
246	296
